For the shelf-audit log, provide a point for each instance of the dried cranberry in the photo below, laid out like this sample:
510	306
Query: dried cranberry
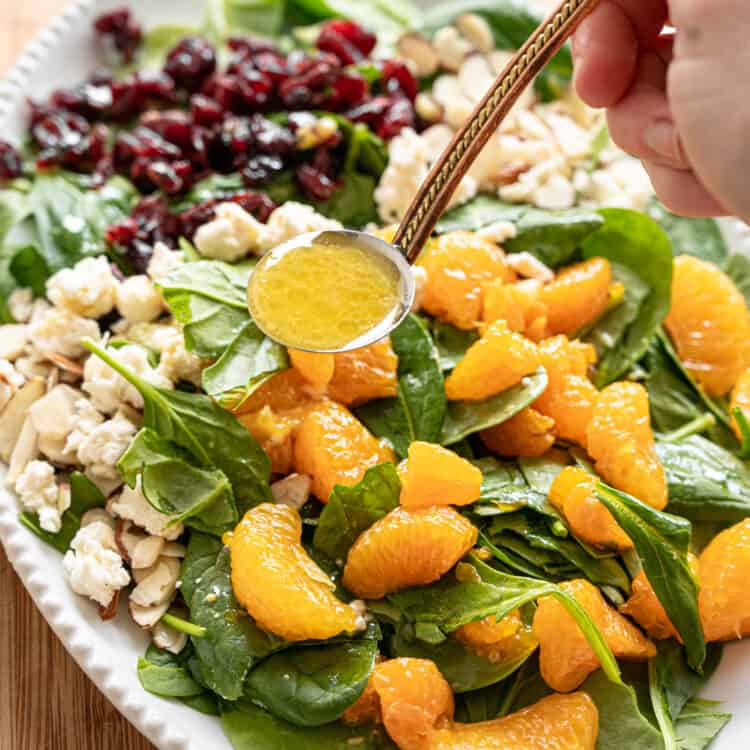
225	90
122	233
270	137
294	95
10	162
153	146
72	100
191	62
196	217
125	150
314	71
398	79
121	31
205	111
370	112
171	178
257	204
314	183
255	88
398	116
155	87
247	47
237	135
347	91
355	34
334	38
174	126
273	65
260	169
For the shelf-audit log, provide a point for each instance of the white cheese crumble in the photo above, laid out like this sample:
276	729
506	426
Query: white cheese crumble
102	448
61	331
138	300
38	492
88	289
290	221
162	262
232	235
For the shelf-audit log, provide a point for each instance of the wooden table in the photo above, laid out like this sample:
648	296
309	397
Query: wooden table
46	701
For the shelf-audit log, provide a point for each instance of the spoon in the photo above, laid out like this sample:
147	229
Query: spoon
431	199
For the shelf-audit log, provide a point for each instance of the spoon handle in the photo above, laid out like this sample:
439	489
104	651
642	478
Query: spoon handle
444	177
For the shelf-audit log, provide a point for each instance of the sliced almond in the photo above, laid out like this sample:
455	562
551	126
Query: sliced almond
173	549
98	515
65	363
476	30
146	552
53	412
418	50
13	339
293	490
147	617
106	486
158	587
54	451
14	415
24	452
127	538
168	639
475	76
110	611
428	107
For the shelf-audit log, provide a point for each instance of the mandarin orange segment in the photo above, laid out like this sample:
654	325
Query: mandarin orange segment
458	265
414	699
724	568
364	374
578	295
709	324
621	441
493	364
316	368
284	391
741	399
407	548
433	475
278	583
565	657
557	722
498	640
573	493
528	433
569	396
366	709
500	303
333	447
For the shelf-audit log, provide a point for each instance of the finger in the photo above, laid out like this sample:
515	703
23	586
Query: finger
641	123
605	47
682	192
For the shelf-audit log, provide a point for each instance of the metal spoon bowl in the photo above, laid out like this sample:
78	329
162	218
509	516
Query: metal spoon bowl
448	171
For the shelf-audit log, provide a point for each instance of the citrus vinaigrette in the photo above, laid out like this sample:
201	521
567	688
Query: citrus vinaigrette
325	295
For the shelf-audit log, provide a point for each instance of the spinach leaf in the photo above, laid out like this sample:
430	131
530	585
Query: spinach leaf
84	495
635	241
451	343
479	212
233	642
251	728
353	204
309	686
244	366
699	237
352	510
213	436
14	208
660	707
464	418
706	482
164	674
29	269
463	669
737	267
385	17
263	17
418	410
450	603
147	447
540	472
661	541
209	299
699	724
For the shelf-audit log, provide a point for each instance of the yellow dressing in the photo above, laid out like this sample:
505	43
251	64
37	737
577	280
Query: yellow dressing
323	296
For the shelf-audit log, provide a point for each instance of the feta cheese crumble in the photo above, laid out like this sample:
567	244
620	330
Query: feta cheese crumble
88	289
38	492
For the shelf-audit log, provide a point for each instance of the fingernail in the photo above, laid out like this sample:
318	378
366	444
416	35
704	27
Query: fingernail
661	137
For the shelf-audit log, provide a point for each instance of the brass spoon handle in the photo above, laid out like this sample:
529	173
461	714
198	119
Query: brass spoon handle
444	177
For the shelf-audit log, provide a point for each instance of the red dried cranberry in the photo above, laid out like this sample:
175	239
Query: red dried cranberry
205	111
120	31
171	178
314	183
331	39
315	71
155	87
153	146
72	100
260	169
398	79
273	65
103	170
247	47
347	91
10	162
139	175
237	135
370	112
196	217
296	96
257	204
270	137
255	87
122	233
191	62
174	126
225	90
355	34
399	115
125	150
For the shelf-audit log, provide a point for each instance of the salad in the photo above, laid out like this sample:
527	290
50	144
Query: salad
521	521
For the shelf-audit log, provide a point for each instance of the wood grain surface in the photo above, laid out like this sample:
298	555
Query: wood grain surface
46	701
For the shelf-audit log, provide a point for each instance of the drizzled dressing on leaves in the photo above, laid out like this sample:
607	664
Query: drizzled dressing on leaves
324	295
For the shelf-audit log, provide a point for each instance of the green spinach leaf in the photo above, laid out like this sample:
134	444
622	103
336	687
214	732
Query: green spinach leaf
164	674
352	510
699	724
451	343
737	267
699	237
29	269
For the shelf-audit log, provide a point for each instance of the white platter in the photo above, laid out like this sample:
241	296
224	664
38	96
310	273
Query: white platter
108	652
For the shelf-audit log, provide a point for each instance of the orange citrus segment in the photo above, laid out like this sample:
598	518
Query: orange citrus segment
528	433
493	364
578	295
573	493
741	399
557	722
364	374
723	601
709	324
407	548
433	475
458	265
333	447
315	368
565	657
497	641
277	582
620	440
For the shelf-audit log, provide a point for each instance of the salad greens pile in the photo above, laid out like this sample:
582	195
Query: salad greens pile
200	466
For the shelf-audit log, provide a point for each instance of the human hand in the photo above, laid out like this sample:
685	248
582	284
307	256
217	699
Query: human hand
677	102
